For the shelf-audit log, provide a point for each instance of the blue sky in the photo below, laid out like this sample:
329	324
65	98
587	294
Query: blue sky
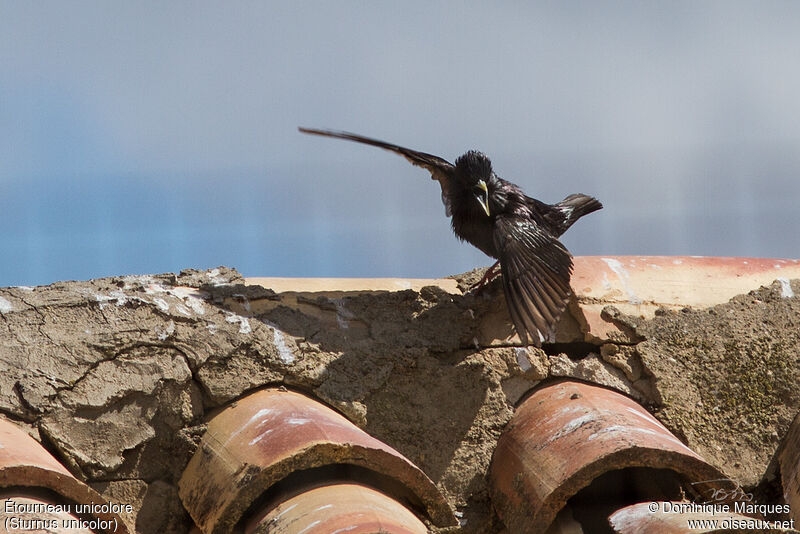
147	137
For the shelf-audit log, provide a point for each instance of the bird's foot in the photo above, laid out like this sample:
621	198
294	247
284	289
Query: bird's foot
490	274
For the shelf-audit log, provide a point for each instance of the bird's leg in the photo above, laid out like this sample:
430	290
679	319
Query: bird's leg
491	274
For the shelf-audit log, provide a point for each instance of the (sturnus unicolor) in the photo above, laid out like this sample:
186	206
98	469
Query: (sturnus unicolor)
498	218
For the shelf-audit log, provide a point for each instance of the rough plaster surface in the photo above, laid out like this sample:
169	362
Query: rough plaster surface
726	377
118	376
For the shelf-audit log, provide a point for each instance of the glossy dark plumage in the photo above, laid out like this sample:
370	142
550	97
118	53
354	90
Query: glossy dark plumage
498	218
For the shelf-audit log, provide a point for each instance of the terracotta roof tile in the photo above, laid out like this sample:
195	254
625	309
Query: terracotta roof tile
683	518
261	439
26	466
568	434
339	507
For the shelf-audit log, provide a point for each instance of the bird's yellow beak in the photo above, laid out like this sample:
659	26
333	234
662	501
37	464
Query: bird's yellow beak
484	198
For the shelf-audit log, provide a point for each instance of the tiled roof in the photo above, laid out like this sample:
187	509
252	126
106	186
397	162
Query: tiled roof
279	428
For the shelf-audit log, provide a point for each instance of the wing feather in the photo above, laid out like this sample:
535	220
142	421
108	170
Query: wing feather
536	271
440	169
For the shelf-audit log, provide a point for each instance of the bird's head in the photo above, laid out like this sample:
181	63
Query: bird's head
474	174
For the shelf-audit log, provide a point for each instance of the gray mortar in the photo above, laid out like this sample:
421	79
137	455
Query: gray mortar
117	376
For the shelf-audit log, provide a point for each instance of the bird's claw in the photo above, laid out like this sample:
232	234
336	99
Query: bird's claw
490	274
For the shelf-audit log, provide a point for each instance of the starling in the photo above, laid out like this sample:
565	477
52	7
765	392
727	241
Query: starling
521	232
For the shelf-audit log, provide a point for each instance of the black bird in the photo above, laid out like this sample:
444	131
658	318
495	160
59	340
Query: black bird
498	218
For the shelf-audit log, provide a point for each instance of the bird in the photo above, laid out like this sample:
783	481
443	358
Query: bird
520	232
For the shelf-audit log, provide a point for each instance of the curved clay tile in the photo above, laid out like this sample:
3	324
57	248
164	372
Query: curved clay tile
675	518
339	507
24	463
568	434
789	461
261	439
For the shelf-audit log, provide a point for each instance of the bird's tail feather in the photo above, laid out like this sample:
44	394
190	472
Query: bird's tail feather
576	206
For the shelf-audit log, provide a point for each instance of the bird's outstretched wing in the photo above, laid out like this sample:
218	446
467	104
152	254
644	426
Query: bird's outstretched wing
440	169
536	271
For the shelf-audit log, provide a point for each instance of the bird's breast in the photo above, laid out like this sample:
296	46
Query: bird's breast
477	230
